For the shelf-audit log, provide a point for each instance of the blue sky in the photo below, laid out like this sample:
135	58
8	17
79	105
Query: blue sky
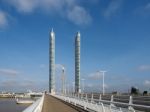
115	36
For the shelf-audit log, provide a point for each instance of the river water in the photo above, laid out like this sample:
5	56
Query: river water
9	105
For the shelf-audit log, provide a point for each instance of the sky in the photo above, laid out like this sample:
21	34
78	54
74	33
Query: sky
115	37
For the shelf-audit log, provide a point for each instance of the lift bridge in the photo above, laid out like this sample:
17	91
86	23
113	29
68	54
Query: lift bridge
54	102
86	103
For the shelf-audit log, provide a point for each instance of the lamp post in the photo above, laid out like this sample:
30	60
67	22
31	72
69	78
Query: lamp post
73	83
83	85
103	72
68	91
63	79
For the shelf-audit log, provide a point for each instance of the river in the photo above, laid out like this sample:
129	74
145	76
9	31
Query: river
9	105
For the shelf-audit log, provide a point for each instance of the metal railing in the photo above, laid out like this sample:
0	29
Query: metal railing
113	101
36	106
100	105
91	105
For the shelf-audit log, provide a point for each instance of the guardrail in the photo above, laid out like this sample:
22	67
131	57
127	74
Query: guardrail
91	105
130	105
36	106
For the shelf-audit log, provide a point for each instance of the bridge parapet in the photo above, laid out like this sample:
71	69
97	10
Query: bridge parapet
36	106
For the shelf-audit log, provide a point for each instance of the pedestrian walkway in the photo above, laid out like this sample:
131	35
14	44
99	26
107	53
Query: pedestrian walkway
52	104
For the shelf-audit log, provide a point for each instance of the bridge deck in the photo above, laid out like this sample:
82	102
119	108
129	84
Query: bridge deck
52	104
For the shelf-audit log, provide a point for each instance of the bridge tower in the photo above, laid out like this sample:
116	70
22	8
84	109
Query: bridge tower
52	63
77	63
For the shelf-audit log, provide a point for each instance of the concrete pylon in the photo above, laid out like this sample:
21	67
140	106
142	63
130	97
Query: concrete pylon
52	63
77	63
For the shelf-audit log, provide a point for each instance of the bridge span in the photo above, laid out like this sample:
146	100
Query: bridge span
79	103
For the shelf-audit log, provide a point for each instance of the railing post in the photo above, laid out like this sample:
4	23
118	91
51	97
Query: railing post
81	96
130	100
92	98
78	96
103	109
120	109
86	97
130	103
100	98
85	106
112	98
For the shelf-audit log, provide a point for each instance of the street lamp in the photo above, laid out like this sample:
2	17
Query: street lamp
73	83
68	89
83	84
103	72
63	79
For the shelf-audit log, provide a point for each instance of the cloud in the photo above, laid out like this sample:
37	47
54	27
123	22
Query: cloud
23	5
90	1
79	16
95	76
22	85
144	68
29	6
143	11
9	83
147	7
147	82
90	87
70	9
3	19
113	8
9	72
